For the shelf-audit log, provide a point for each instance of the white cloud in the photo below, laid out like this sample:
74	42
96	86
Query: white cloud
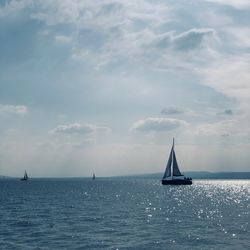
58	12
157	124
226	126
238	4
12	109
66	145
106	29
229	75
190	39
168	50
222	128
217	19
240	36
99	14
14	6
77	128
194	38
63	39
80	55
115	33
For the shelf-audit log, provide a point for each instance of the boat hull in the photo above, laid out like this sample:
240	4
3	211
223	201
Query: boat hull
177	182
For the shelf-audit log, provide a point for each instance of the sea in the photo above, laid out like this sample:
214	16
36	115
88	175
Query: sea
124	213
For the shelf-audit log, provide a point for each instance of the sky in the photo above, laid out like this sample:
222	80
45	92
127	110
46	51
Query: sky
102	86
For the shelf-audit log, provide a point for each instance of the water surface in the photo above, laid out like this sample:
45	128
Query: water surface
124	214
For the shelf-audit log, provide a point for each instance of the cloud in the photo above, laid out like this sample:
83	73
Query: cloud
13	7
115	30
226	112
84	143
80	129
72	144
63	39
238	4
172	110
98	15
98	27
189	39
239	36
193	38
147	40
12	109
223	128
230	76
157	124
164	51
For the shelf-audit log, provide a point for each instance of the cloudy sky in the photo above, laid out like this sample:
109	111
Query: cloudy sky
104	85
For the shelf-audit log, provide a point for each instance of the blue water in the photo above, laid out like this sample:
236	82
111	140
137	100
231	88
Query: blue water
124	214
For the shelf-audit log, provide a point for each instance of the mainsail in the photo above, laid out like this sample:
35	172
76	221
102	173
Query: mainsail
168	167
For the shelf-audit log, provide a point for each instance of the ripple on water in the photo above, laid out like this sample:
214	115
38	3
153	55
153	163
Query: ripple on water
124	214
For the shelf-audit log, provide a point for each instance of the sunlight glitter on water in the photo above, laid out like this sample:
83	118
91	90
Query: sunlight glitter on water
125	214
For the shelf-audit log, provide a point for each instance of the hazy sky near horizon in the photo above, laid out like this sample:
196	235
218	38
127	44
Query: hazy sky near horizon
103	86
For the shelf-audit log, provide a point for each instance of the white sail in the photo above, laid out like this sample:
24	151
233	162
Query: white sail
176	170
25	175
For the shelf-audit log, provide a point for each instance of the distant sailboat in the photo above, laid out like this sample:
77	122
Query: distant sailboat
25	177
93	178
173	175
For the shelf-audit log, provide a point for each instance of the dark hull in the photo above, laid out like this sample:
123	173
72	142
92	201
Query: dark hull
23	179
177	182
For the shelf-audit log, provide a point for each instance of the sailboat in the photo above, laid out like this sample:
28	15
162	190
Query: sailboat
25	177
93	178
173	175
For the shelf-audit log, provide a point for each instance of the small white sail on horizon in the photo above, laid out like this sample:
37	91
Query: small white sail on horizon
25	177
